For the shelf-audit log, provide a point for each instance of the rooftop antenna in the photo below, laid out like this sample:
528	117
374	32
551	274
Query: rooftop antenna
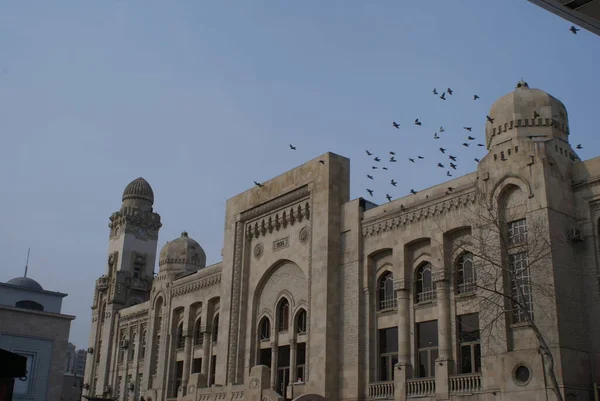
27	262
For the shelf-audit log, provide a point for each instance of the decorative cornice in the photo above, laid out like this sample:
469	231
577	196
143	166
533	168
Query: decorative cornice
405	218
133	219
283	200
134	315
277	222
196	285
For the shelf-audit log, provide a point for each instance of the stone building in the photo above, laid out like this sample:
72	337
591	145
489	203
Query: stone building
32	325
320	297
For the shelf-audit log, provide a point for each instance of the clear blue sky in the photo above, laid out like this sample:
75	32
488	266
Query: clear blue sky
202	98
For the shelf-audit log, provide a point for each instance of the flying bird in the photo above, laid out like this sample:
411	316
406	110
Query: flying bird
480	144
490	119
443	97
369	153
435	136
420	157
417	122
435	92
465	144
441	129
388	197
322	161
475	97
392	153
393	160
477	160
396	125
412	191
470	138
448	174
453	158
440	165
393	182
453	165
385	168
258	184
573	29
292	147
449	91
467	128
443	150
450	189
374	168
370	176
370	191
579	147
412	160
535	114
377	159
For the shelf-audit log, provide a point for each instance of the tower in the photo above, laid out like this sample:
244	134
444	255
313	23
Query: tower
128	276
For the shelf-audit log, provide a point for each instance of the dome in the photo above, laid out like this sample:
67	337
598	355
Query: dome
526	112
139	189
183	251
25	282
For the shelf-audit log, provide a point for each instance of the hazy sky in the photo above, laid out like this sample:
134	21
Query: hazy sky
201	98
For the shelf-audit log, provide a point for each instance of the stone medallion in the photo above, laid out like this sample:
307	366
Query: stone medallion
258	251
254	383
303	236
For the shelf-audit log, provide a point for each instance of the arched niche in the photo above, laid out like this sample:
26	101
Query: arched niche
27	304
284	278
377	261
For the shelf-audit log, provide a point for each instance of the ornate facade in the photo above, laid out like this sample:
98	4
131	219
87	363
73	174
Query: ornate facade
322	297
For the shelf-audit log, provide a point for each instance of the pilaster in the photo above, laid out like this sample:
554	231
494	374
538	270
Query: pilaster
274	352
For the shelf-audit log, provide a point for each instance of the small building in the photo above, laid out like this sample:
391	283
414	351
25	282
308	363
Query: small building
32	325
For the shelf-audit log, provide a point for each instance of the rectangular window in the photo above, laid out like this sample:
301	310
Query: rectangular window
178	376
213	369
264	357
520	286
427	344
300	362
469	339
23	387
517	232
197	365
388	353
136	272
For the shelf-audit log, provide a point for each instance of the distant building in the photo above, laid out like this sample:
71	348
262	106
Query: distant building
32	325
585	13
70	357
75	360
80	357
72	387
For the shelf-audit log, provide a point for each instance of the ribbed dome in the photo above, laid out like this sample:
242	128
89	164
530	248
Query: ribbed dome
526	112
139	189
183	251
25	282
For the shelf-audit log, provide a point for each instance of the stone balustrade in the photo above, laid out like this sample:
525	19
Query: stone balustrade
381	391
420	387
465	383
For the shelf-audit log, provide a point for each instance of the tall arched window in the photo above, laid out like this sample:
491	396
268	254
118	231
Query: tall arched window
122	348
283	313
425	285
180	337
265	328
301	321
132	345
215	329
385	291
198	337
465	274
142	346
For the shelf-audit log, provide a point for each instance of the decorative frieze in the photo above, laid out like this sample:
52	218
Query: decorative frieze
196	285
134	222
278	221
417	215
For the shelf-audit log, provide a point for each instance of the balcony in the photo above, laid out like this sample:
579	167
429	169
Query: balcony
381	391
466	383
387	304
420	387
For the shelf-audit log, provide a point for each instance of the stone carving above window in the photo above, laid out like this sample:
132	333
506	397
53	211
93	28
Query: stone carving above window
258	251
279	220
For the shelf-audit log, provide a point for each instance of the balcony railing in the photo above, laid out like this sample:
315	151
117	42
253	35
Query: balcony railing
420	387
381	391
467	383
428	294
467	287
389	303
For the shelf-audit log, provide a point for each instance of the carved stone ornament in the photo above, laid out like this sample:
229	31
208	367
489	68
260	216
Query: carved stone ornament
303	236
258	251
254	383
401	284
191	389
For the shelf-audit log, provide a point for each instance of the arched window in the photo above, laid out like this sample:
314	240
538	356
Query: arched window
122	348
180	337
215	329
385	291
30	305
425	285
132	345
465	274
283	313
265	328
142	346
301	322
198	337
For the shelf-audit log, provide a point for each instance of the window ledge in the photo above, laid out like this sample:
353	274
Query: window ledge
264	340
465	295
299	383
386	311
425	304
519	325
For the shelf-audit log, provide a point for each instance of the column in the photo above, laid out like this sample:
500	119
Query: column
206	353
403	366
444	363
293	347
274	352
124	383
187	349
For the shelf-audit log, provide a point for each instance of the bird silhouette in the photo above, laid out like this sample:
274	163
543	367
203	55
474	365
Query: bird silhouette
388	197
370	191
480	144
453	166
292	147
470	138
443	97
393	182
412	160
449	91
393	160
417	122
448	174
370	176
465	144
369	153
535	114
435	92
385	168
374	168
412	191
441	129
475	97
443	150
440	165
258	184
420	157
322	161
579	147
450	189
490	119
392	153
573	29
396	125
477	160
377	159
467	128
435	136
453	158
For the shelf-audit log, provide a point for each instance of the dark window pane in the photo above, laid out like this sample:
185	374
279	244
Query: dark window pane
465	359
383	369
427	334
433	355
179	369
283	356
301	354
265	357
197	365
394	362
423	364
388	340
477	357
468	327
